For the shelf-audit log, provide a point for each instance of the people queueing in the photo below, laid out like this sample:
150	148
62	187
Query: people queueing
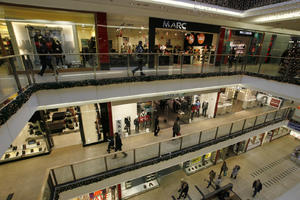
184	189
224	169
176	128
257	186
156	126
235	171
119	144
139	50
212	175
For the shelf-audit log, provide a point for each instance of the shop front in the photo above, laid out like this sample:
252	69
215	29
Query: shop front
61	127
201	163
174	36
235	99
254	142
239	43
35	31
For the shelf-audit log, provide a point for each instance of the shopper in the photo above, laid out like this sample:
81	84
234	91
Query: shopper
139	50
257	186
212	175
218	182
119	144
111	143
235	171
184	189
156	126
224	169
176	128
45	60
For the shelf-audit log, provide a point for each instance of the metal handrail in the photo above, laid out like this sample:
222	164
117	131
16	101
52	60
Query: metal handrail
167	140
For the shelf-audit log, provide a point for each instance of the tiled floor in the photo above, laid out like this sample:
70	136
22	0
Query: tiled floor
24	178
269	163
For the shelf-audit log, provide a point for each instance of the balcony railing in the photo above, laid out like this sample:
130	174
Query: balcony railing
19	72
85	172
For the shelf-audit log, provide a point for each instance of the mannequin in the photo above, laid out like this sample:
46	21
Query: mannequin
57	49
136	124
127	121
143	118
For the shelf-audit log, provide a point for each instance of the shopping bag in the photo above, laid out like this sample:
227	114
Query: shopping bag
178	134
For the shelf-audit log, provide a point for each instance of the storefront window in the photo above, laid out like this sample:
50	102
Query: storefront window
31	141
5	41
49	31
124	34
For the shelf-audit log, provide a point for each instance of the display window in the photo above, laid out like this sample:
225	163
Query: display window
203	105
140	185
200	44
32	141
199	163
124	34
109	193
282	131
5	41
255	141
37	31
133	118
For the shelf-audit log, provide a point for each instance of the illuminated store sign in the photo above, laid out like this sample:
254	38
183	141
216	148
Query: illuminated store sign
174	25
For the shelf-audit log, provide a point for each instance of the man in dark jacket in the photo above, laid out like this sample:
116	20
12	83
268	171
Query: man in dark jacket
119	144
184	189
257	187
176	128
139	50
212	175
156	126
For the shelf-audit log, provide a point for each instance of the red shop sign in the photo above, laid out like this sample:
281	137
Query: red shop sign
275	102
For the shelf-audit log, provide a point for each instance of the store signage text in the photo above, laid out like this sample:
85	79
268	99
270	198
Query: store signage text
174	25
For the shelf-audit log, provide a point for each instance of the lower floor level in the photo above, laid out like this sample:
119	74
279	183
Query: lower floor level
271	163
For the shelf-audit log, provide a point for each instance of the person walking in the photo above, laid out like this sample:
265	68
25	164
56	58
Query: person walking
156	126
184	189
111	143
212	175
139	50
224	169
218	182
257	186
119	144
176	128
235	171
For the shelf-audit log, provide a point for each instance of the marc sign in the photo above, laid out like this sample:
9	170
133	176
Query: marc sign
174	25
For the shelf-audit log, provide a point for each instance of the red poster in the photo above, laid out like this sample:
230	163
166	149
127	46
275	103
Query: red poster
275	102
201	38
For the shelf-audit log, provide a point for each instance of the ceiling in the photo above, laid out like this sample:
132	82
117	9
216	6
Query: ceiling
288	24
241	4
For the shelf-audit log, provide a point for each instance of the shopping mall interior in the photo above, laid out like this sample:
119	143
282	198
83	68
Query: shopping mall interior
149	99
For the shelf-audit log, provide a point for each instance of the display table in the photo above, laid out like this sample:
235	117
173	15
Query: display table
224	108
249	103
25	150
136	190
58	116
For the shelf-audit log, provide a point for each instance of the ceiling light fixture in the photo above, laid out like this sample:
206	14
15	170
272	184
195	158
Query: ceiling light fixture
197	6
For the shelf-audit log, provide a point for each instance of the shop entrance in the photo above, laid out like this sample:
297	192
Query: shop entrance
63	126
